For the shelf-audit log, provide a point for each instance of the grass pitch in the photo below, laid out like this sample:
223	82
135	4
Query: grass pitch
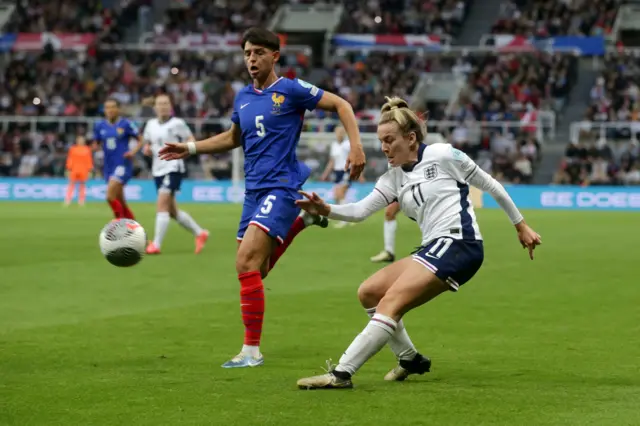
548	342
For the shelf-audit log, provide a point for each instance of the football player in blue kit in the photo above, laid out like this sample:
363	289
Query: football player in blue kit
267	122
114	134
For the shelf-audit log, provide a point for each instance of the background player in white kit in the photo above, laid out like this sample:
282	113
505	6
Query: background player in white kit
168	174
431	184
338	155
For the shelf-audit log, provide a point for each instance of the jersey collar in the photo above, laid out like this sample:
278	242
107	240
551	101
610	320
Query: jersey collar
410	167
267	88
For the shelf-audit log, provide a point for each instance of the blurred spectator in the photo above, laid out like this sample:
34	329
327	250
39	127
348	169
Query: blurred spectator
550	18
433	17
218	16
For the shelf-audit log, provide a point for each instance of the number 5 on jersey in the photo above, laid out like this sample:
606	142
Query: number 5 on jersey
267	205
260	129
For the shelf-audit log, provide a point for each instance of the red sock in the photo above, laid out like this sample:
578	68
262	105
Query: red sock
252	306
126	211
116	206
296	228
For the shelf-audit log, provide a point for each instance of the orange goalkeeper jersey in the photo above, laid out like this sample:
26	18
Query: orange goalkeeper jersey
80	159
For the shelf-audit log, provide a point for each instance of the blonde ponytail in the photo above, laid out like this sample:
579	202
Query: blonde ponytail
397	110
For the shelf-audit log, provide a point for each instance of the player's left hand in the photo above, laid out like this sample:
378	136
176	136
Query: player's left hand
528	238
129	155
356	162
313	204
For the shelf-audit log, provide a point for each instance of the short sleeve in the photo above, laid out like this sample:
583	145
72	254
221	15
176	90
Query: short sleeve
235	117
334	151
146	134
386	186
458	164
305	95
96	132
134	131
183	130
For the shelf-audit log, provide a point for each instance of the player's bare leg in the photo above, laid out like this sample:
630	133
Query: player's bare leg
114	196
253	252
340	193
415	286
185	220
370	292
390	226
82	192
69	195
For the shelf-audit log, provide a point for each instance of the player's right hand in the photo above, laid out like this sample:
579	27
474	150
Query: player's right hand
313	204
173	151
356	162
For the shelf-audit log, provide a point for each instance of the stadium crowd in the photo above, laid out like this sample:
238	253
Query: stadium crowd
500	88
550	18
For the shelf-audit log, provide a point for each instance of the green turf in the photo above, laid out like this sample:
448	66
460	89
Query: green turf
549	342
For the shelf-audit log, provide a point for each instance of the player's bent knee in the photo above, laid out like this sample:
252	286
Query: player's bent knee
369	295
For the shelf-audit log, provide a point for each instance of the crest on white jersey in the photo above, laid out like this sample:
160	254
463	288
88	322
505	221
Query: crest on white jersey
431	172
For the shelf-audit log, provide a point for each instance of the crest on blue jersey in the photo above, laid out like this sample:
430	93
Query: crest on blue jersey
120	130
431	172
277	100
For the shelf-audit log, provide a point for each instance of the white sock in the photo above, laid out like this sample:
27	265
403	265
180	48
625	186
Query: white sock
253	351
162	224
400	343
390	235
187	222
368	343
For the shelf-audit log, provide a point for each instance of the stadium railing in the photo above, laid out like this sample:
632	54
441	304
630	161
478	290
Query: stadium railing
317	134
603	127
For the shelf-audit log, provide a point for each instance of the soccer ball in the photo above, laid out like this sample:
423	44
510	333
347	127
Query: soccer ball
122	242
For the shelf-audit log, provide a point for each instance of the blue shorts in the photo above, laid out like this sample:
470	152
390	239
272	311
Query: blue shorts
341	177
273	210
120	172
170	182
453	261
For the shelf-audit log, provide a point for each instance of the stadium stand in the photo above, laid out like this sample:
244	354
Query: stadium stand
549	18
502	88
436	17
219	17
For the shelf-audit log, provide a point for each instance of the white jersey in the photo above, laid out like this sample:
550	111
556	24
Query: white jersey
340	154
157	134
434	193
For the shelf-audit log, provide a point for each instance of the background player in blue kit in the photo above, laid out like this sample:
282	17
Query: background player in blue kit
267	121
114	134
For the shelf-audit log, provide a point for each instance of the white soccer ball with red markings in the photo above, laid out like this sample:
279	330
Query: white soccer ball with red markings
123	242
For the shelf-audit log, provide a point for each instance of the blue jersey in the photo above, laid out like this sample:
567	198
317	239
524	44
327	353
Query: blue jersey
271	121
115	140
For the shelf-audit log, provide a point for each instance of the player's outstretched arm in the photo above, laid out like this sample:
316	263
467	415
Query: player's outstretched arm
138	147
527	236
353	212
225	141
356	159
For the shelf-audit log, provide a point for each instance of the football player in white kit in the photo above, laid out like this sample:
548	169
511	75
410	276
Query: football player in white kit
168	174
431	184
338	155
